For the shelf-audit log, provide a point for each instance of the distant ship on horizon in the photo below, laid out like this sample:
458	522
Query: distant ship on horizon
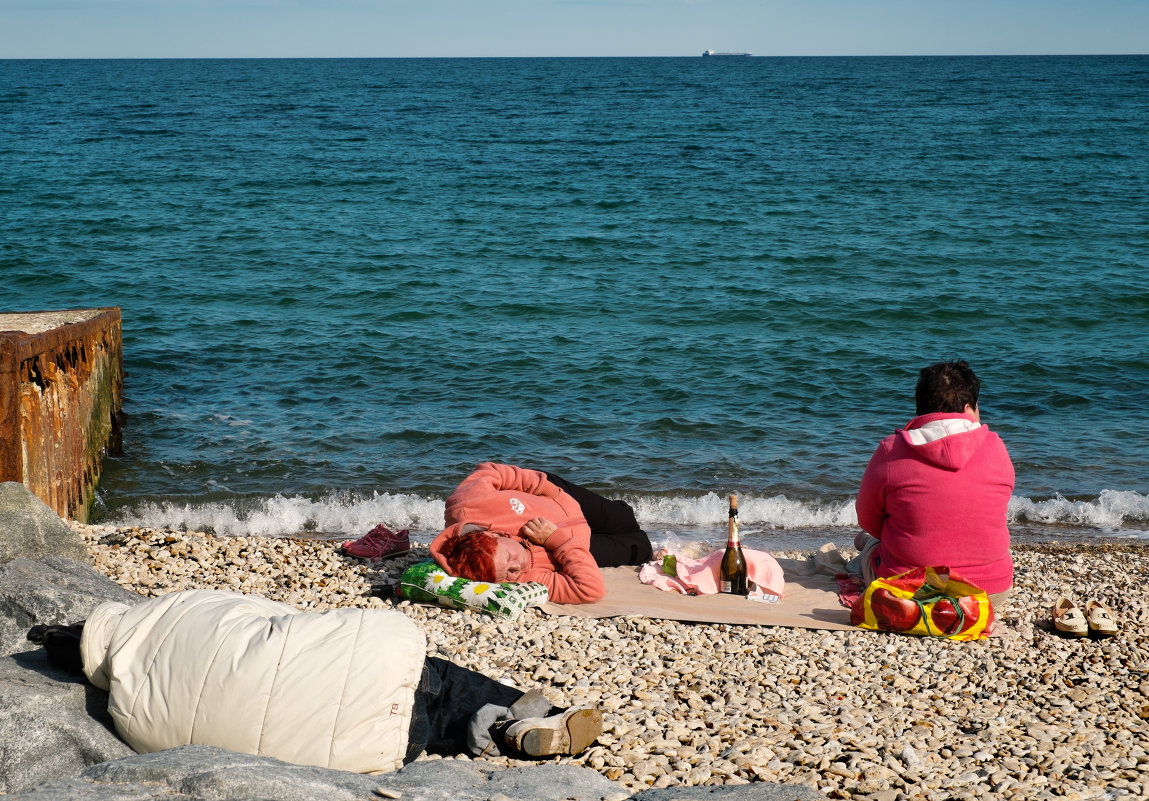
707	53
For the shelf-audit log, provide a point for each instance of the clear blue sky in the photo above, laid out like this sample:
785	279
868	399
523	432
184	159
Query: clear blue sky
401	28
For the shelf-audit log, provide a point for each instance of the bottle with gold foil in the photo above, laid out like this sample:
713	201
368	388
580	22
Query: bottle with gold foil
732	570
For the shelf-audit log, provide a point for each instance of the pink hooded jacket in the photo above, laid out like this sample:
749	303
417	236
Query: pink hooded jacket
936	493
501	498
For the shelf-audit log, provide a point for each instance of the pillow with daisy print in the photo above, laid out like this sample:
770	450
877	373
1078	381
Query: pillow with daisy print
427	582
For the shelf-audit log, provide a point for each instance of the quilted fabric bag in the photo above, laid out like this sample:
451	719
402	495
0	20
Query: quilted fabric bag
426	582
929	601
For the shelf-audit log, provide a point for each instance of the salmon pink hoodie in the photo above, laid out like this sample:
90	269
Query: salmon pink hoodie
500	498
935	493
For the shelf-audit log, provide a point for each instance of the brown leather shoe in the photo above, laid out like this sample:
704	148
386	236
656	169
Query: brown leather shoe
568	732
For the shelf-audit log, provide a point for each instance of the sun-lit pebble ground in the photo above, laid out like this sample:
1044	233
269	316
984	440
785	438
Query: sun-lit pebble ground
854	714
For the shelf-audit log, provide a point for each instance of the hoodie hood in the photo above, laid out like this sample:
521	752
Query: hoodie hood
97	638
446	537
946	439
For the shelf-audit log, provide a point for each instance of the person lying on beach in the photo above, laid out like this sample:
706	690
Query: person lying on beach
347	689
507	523
936	492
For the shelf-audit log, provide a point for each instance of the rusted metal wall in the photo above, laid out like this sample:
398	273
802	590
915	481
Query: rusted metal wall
61	389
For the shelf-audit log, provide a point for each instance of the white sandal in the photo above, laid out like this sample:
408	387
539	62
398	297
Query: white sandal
1068	619
1101	622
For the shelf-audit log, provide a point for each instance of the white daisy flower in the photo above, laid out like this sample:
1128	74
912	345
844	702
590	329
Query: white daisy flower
477	593
437	582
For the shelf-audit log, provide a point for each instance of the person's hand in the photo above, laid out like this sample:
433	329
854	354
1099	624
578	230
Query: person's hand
538	529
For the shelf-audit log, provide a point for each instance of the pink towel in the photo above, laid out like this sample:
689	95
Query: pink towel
850	589
700	576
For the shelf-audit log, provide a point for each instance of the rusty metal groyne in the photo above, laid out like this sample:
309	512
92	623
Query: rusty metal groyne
61	388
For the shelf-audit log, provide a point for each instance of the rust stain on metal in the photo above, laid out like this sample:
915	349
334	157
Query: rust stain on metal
61	395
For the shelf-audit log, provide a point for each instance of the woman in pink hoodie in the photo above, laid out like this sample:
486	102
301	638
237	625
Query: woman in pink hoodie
507	523
936	492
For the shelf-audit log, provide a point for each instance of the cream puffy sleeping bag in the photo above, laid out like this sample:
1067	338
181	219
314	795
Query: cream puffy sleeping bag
334	689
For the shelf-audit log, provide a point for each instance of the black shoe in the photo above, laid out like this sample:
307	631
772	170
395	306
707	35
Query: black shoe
62	645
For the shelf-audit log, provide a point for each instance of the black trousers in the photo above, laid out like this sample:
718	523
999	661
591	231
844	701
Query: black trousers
615	536
446	699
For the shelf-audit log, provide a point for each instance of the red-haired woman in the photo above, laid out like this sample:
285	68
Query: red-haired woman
507	523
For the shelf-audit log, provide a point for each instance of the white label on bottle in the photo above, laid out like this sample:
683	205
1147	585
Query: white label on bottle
727	586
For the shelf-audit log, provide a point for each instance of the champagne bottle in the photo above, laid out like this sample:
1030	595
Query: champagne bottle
732	571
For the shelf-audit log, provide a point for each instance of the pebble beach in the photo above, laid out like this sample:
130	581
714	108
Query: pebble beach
854	714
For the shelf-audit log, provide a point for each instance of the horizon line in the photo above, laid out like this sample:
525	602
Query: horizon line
739	56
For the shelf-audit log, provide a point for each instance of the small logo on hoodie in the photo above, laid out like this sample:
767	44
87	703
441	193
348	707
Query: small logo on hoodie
517	506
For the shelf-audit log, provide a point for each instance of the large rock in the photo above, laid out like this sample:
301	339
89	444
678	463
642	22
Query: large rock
29	528
49	590
51	724
200	772
756	791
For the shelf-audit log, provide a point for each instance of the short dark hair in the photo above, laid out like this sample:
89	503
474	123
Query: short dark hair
946	387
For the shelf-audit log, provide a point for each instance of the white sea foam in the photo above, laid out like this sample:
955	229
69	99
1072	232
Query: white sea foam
335	514
711	510
341	514
1108	510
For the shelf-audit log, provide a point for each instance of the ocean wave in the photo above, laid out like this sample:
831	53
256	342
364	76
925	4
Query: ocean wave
771	512
343	514
332	515
1109	510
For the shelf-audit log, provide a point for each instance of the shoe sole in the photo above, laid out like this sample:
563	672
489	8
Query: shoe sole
1070	633
580	728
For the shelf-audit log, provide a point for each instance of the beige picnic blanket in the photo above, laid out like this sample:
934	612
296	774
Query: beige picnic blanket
810	601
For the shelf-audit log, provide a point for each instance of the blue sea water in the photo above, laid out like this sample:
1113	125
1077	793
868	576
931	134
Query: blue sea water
345	282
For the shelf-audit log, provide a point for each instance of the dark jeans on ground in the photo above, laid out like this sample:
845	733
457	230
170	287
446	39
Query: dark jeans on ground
446	699
615	536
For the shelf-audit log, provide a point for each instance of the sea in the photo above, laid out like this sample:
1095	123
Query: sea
346	282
